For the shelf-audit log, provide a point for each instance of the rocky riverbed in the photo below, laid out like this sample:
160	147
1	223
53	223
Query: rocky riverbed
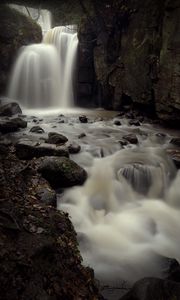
41	155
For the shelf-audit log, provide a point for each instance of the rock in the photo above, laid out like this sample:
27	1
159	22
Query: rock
120	114
153	289
47	196
37	129
80	136
39	249
123	142
117	122
26	149
131	138
175	156
10	109
61	121
62	172
161	135
74	148
3	150
134	122
83	119
11	125
129	115
175	141
56	138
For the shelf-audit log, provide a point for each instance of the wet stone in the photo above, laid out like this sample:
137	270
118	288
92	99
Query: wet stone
80	136
131	138
37	129
83	119
10	109
175	156
26	149
62	172
11	125
175	141
74	148
134	123
56	138
123	142
117	123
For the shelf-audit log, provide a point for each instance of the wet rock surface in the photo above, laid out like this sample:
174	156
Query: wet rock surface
8	125
131	138
9	109
175	156
62	172
83	119
56	138
74	148
37	129
27	149
154	288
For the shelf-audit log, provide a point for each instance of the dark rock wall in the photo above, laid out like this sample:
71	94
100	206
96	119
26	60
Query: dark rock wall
137	55
16	30
86	72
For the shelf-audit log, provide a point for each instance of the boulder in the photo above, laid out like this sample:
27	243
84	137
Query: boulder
117	123
134	122
175	141
10	109
81	135
11	125
175	156
74	148
56	138
37	129
27	149
123	142
62	172
153	289
131	138
83	119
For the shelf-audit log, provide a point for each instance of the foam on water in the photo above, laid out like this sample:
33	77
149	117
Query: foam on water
124	229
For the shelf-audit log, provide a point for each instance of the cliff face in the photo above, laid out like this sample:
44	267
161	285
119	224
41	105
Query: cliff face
137	55
16	30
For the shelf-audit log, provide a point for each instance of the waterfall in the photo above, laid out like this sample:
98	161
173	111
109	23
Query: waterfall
66	41
43	74
36	76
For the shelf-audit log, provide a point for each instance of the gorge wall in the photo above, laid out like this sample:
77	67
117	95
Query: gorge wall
134	47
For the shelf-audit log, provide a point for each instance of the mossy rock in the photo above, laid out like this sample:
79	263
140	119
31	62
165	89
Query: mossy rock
62	172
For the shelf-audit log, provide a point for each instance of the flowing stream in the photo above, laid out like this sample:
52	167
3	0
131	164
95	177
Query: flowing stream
126	215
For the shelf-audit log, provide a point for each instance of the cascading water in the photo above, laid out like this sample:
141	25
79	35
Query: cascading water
42	76
35	77
126	214
66	41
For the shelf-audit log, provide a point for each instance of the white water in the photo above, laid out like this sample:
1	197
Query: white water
66	41
36	76
124	231
43	73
